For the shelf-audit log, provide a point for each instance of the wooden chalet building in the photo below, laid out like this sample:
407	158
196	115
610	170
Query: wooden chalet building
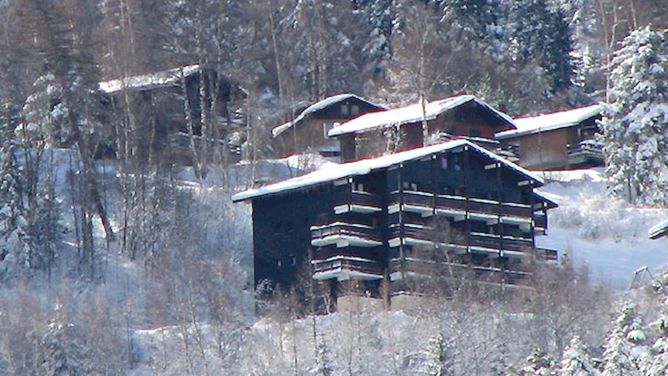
659	230
156	101
401	128
309	130
445	211
557	141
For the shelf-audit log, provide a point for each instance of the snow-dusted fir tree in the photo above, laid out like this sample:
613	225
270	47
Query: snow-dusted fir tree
437	358
624	348
635	119
323	360
13	225
539	363
44	115
657	365
576	361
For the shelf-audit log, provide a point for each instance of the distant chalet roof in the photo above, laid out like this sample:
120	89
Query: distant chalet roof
149	81
411	114
548	122
658	230
366	166
319	106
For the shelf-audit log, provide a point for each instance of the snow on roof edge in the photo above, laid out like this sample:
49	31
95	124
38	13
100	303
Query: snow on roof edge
153	79
554	120
658	230
365	166
410	114
319	105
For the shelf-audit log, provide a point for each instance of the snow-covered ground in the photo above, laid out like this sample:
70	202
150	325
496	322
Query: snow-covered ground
606	233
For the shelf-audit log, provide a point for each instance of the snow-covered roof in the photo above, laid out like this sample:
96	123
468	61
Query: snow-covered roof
547	122
363	167
658	230
148	81
319	106
411	114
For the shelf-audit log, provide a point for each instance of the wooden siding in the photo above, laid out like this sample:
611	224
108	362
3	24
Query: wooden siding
457	180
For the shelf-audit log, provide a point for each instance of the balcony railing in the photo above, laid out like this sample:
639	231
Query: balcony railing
357	201
346	268
428	201
585	152
461	271
424	234
547	254
344	234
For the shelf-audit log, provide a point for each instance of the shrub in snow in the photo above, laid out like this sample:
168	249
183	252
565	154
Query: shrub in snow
635	121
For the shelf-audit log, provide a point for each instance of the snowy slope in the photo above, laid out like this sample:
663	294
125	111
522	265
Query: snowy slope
606	233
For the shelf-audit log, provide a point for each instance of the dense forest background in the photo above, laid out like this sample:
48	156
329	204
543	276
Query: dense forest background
124	265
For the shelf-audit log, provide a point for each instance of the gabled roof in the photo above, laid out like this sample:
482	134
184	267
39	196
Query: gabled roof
658	230
319	106
411	114
548	122
366	166
149	81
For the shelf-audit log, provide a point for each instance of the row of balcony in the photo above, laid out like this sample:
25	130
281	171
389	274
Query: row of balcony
459	271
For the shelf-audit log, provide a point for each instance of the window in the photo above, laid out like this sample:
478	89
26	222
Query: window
456	162
344	109
444	162
359	187
326	127
410	186
354	109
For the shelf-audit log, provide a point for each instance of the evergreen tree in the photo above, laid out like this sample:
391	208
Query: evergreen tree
635	119
658	364
324	366
624	350
437	357
539	363
576	361
542	35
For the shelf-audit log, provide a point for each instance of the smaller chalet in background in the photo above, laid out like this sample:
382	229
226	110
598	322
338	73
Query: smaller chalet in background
399	129
431	216
309	130
659	230
557	141
156	101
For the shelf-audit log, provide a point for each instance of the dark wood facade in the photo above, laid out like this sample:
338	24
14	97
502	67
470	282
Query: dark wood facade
156	102
456	212
561	147
471	120
308	131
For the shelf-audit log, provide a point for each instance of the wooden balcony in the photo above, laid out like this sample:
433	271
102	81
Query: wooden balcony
449	270
457	207
358	202
343	268
586	153
345	234
490	244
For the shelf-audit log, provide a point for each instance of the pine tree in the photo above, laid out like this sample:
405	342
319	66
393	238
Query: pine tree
658	364
576	361
539	363
437	357
624	350
323	363
635	119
